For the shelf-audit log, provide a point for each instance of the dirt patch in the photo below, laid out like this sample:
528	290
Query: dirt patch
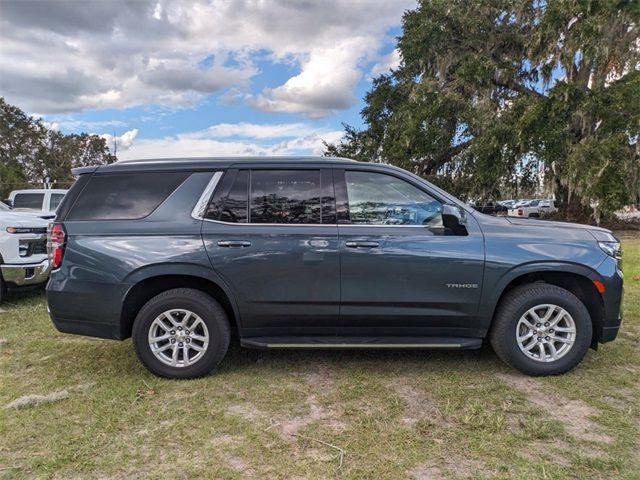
423	472
29	401
558	452
240	465
290	426
322	378
574	415
246	411
418	405
452	467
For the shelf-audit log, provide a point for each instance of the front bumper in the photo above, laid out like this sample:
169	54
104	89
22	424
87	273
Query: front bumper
21	275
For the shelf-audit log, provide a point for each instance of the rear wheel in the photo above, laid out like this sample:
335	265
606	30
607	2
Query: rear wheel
541	329
181	333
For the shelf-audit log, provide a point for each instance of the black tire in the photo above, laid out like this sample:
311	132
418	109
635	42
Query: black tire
3	289
515	304
211	313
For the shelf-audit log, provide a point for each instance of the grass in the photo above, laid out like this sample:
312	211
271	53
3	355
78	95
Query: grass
265	414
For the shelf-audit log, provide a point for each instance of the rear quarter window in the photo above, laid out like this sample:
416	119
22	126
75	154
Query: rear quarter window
126	196
28	200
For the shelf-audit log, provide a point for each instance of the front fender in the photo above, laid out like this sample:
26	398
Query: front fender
491	294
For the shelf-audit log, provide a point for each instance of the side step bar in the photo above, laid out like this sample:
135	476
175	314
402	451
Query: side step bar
328	342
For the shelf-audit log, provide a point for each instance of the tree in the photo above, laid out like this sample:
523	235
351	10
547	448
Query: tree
496	96
30	152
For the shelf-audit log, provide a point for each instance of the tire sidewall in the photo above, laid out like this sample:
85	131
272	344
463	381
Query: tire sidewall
214	318
555	296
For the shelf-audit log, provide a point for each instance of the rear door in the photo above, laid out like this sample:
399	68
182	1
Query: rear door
404	270
271	233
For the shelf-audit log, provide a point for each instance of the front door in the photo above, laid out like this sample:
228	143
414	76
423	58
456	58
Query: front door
272	235
403	272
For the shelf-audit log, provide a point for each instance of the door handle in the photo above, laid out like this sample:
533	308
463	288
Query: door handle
234	243
361	244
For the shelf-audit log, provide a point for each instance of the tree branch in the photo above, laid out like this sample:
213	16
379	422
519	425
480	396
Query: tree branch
517	87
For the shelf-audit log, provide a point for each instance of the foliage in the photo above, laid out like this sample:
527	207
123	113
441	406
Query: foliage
30	152
502	97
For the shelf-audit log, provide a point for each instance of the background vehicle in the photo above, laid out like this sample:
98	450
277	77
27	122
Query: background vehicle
533	208
319	253
45	200
490	207
23	250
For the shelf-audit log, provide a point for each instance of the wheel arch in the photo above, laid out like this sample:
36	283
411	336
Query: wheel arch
577	279
151	281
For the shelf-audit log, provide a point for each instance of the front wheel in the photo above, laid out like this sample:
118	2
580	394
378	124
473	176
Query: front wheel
181	333
541	329
3	289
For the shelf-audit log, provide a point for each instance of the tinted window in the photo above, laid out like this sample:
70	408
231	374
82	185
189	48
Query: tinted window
28	200
379	199
56	198
234	206
285	196
124	196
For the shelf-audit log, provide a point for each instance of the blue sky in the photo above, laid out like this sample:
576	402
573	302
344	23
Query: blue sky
198	78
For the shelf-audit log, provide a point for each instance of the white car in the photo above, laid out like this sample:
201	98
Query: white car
23	249
533	208
41	199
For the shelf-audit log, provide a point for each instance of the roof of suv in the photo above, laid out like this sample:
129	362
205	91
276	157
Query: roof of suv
204	163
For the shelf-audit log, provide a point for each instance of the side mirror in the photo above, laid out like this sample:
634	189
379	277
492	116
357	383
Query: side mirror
454	212
8	202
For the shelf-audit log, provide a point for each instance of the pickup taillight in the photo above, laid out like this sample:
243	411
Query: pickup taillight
520	212
56	241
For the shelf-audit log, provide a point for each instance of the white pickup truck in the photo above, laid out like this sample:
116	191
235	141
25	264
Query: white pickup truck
533	208
38	199
23	249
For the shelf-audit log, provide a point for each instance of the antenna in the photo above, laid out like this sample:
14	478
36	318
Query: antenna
115	144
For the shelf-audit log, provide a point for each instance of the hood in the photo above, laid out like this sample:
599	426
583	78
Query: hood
27	213
599	233
24	219
531	222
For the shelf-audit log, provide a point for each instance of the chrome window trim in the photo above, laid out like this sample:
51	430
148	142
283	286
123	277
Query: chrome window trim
201	206
312	224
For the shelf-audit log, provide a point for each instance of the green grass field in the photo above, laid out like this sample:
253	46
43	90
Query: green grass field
314	414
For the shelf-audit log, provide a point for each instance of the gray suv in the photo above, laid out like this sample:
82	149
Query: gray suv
319	253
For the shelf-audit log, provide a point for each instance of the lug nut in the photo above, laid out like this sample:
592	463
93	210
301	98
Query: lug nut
539	339
172	332
188	340
535	331
187	332
547	338
546	324
538	325
173	340
179	328
551	331
180	344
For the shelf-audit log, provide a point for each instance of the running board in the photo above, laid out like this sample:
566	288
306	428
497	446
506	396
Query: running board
327	342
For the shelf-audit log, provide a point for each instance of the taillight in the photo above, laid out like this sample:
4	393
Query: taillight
56	237
520	212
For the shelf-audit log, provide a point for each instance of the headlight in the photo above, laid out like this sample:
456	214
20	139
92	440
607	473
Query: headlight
611	248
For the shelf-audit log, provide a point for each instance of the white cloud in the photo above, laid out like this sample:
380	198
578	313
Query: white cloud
122	142
387	63
234	140
325	84
66	56
258	131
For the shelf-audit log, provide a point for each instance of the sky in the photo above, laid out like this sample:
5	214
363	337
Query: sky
198	78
